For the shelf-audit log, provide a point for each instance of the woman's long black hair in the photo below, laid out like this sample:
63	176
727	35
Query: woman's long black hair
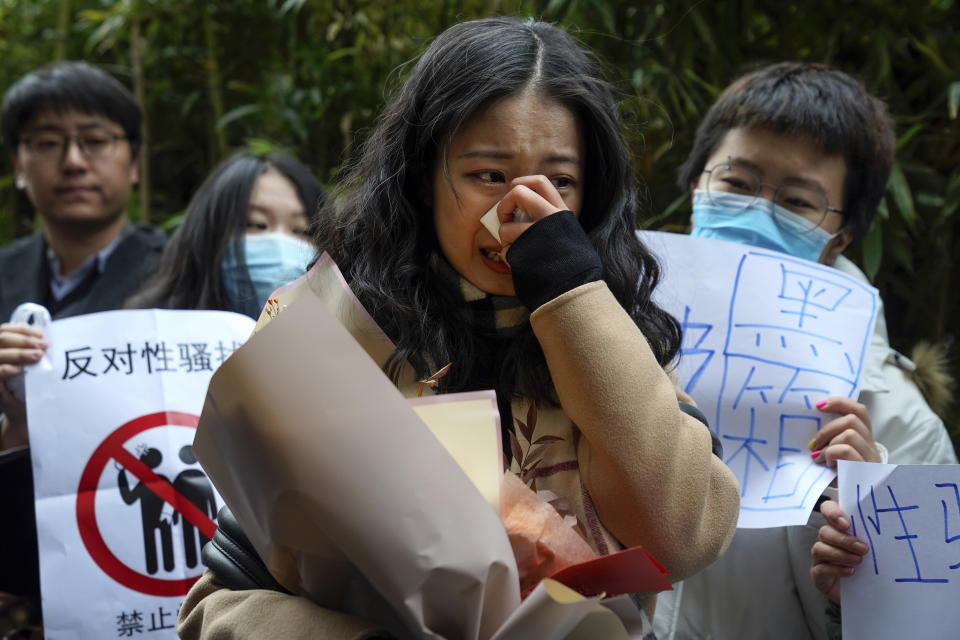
380	229
189	274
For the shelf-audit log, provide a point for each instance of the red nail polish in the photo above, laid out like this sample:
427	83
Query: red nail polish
821	404
815	454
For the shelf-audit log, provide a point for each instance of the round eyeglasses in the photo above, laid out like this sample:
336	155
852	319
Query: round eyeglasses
51	145
809	204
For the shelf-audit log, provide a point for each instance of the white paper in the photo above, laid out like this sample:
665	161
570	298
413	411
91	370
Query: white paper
550	611
765	337
492	221
114	385
908	584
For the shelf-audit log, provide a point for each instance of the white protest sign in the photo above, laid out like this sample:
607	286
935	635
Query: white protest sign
122	506
765	337
908	584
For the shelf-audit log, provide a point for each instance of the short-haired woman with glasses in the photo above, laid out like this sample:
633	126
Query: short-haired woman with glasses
795	158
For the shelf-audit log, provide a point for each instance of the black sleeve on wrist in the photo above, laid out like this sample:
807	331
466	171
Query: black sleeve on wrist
552	257
715	445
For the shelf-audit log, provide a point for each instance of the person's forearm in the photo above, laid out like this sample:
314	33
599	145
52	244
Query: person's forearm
649	467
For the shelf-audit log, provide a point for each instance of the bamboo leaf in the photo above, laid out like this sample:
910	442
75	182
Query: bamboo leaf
188	102
262	146
873	249
556	9
292	5
900	189
603	9
703	30
951	202
930	200
667	213
909	135
883	210
236	114
933	56
341	53
93	15
953	99
712	90
901	253
172	222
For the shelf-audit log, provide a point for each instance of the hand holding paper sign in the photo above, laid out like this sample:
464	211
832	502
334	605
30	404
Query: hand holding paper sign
836	552
908	519
766	337
21	344
846	437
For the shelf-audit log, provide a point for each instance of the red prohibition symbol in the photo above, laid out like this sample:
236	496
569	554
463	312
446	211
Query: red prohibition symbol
112	449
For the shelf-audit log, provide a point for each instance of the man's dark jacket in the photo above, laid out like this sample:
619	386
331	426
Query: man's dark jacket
25	277
25	274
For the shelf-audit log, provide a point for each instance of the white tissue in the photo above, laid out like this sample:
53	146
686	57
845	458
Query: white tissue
32	315
492	221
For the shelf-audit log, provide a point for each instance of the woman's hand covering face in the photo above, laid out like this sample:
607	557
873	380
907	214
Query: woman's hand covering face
536	197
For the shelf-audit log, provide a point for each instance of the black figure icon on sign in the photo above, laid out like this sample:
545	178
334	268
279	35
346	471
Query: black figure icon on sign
193	485
151	512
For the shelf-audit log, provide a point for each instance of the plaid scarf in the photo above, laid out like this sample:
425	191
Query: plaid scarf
504	316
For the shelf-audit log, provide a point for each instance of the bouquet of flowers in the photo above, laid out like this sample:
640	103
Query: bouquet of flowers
397	511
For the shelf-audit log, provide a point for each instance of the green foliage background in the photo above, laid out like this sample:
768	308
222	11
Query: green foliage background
309	76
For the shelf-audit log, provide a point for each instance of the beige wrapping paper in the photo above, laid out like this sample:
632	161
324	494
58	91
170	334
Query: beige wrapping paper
331	472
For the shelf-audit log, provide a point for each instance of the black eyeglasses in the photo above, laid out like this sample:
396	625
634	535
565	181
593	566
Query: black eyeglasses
809	204
94	145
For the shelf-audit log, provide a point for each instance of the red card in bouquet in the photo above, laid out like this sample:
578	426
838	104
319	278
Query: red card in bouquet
631	570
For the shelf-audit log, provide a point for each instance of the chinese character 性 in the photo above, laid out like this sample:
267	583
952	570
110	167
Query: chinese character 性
157	357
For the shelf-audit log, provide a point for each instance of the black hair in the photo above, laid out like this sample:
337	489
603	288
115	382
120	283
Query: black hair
71	85
816	101
186	454
151	457
381	232
189	273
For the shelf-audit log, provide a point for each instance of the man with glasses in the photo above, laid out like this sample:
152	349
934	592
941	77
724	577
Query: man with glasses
795	158
74	133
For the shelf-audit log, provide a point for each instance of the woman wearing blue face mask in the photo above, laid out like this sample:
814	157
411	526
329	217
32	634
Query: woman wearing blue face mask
775	191
245	232
731	202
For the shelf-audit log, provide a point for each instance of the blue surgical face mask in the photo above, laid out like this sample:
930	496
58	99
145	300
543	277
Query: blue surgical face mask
749	220
272	260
